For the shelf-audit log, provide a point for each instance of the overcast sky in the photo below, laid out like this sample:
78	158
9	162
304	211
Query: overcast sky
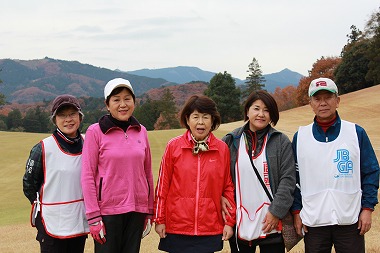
214	35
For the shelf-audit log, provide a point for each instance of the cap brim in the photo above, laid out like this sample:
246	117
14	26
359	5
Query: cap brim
118	86
312	94
64	104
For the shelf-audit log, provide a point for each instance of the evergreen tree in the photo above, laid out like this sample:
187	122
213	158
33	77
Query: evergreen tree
255	80
147	113
3	125
350	74
223	91
31	122
2	97
355	35
360	67
91	117
372	31
36	121
14	120
168	118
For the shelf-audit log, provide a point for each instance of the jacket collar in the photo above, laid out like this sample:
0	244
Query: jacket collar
70	145
106	124
336	123
333	130
190	139
190	143
237	133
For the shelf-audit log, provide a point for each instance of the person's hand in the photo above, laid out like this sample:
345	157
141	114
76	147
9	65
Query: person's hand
227	232
98	232
147	226
225	204
365	221
297	223
161	230
270	222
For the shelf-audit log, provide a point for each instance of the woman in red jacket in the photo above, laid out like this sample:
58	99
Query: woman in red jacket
194	175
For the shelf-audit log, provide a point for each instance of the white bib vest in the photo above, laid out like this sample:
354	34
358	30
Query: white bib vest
251	200
329	177
62	207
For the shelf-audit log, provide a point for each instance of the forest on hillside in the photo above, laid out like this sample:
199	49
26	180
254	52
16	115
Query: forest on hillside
355	68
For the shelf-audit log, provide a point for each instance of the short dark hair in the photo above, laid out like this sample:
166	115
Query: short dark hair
202	104
269	102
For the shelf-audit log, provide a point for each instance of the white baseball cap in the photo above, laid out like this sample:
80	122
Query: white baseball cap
322	84
116	83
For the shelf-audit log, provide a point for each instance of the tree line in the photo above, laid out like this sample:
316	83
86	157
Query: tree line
356	68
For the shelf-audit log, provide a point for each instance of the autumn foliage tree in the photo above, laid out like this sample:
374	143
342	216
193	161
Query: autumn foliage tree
285	97
323	67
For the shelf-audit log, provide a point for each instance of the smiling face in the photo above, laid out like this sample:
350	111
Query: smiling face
258	116
324	104
199	124
68	121
121	105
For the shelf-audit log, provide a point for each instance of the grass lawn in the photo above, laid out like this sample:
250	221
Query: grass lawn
361	107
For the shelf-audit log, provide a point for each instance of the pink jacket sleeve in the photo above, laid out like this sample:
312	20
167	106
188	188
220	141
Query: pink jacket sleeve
149	175
90	154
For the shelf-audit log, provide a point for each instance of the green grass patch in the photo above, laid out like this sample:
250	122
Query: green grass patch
14	150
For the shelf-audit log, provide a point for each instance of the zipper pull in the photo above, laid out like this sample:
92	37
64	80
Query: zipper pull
327	139
126	135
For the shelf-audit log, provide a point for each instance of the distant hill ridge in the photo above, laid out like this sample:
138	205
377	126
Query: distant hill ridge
37	80
182	74
29	81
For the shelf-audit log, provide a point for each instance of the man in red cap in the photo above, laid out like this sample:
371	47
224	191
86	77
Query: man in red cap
338	177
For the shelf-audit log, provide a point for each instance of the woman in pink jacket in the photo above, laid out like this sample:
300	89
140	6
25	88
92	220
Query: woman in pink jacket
194	175
117	176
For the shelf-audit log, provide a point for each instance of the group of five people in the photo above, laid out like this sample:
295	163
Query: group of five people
208	190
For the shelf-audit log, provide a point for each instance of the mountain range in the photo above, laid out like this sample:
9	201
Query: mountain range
182	74
29	81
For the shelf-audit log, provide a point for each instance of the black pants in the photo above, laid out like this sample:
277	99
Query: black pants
176	243
123	233
50	244
272	244
346	239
